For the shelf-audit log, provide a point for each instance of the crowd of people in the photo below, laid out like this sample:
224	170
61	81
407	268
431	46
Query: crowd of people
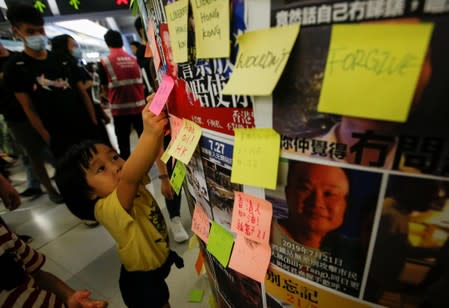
53	107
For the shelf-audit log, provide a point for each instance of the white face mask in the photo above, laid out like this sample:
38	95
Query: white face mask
36	42
77	53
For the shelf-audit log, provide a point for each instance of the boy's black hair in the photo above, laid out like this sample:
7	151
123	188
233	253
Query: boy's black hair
71	180
21	13
113	39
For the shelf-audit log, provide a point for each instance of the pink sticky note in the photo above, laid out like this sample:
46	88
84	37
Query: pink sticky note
200	223
175	126
250	258
251	217
162	94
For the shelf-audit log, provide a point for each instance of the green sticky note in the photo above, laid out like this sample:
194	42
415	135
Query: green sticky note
177	177
374	71
255	157
196	296
220	243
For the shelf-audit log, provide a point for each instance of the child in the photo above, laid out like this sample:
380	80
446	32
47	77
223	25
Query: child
97	184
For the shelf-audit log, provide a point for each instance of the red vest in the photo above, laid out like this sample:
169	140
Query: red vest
125	84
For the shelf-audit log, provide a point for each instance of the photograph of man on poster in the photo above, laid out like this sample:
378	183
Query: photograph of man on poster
410	261
326	234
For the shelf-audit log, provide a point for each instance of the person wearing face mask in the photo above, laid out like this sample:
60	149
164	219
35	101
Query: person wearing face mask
65	48
50	90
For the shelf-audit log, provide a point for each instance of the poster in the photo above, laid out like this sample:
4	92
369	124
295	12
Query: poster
421	144
216	156
325	236
339	220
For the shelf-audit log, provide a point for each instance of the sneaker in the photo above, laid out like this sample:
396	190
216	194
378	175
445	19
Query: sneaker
32	193
26	238
91	223
179	233
56	198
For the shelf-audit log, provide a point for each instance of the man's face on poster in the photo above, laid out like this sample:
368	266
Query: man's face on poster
316	197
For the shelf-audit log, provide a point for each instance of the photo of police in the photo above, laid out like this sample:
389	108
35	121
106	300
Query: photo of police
326	234
410	261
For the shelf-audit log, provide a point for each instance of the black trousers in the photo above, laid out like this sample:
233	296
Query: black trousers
123	126
141	289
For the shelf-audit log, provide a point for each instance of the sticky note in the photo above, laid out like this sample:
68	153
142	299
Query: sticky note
162	94
196	296
251	217
186	141
153	45
200	223
177	15
178	176
166	155
255	157
261	59
148	52
211	28
220	243
175	126
372	70
199	262
250	258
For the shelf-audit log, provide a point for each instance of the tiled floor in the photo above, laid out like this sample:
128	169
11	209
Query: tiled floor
85	257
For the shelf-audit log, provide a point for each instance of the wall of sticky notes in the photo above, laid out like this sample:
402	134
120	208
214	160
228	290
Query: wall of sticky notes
315	140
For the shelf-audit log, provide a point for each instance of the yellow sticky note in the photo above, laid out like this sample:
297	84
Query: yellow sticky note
186	141
250	258
220	243
211	28
178	176
255	157
177	15
166	155
260	62
372	70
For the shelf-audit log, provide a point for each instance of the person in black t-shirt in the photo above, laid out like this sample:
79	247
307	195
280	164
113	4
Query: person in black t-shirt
50	91
35	151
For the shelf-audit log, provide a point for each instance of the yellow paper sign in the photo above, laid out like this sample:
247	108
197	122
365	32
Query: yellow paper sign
177	14
220	243
309	295
372	70
186	141
178	176
211	28
255	157
261	60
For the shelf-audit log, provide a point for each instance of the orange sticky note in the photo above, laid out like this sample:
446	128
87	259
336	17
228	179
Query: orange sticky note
250	258
175	126
153	45
251	217
148	52
199	263
200	223
186	141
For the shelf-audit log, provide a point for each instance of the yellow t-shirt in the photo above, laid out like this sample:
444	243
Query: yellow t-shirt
141	235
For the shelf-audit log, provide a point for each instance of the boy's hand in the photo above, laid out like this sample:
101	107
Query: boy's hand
80	299
151	123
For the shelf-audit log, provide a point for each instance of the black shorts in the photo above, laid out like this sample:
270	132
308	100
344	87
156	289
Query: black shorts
147	289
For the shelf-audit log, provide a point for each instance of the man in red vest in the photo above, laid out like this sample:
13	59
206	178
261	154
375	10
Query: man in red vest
122	77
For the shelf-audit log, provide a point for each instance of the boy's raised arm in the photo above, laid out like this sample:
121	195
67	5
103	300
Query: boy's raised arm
142	158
